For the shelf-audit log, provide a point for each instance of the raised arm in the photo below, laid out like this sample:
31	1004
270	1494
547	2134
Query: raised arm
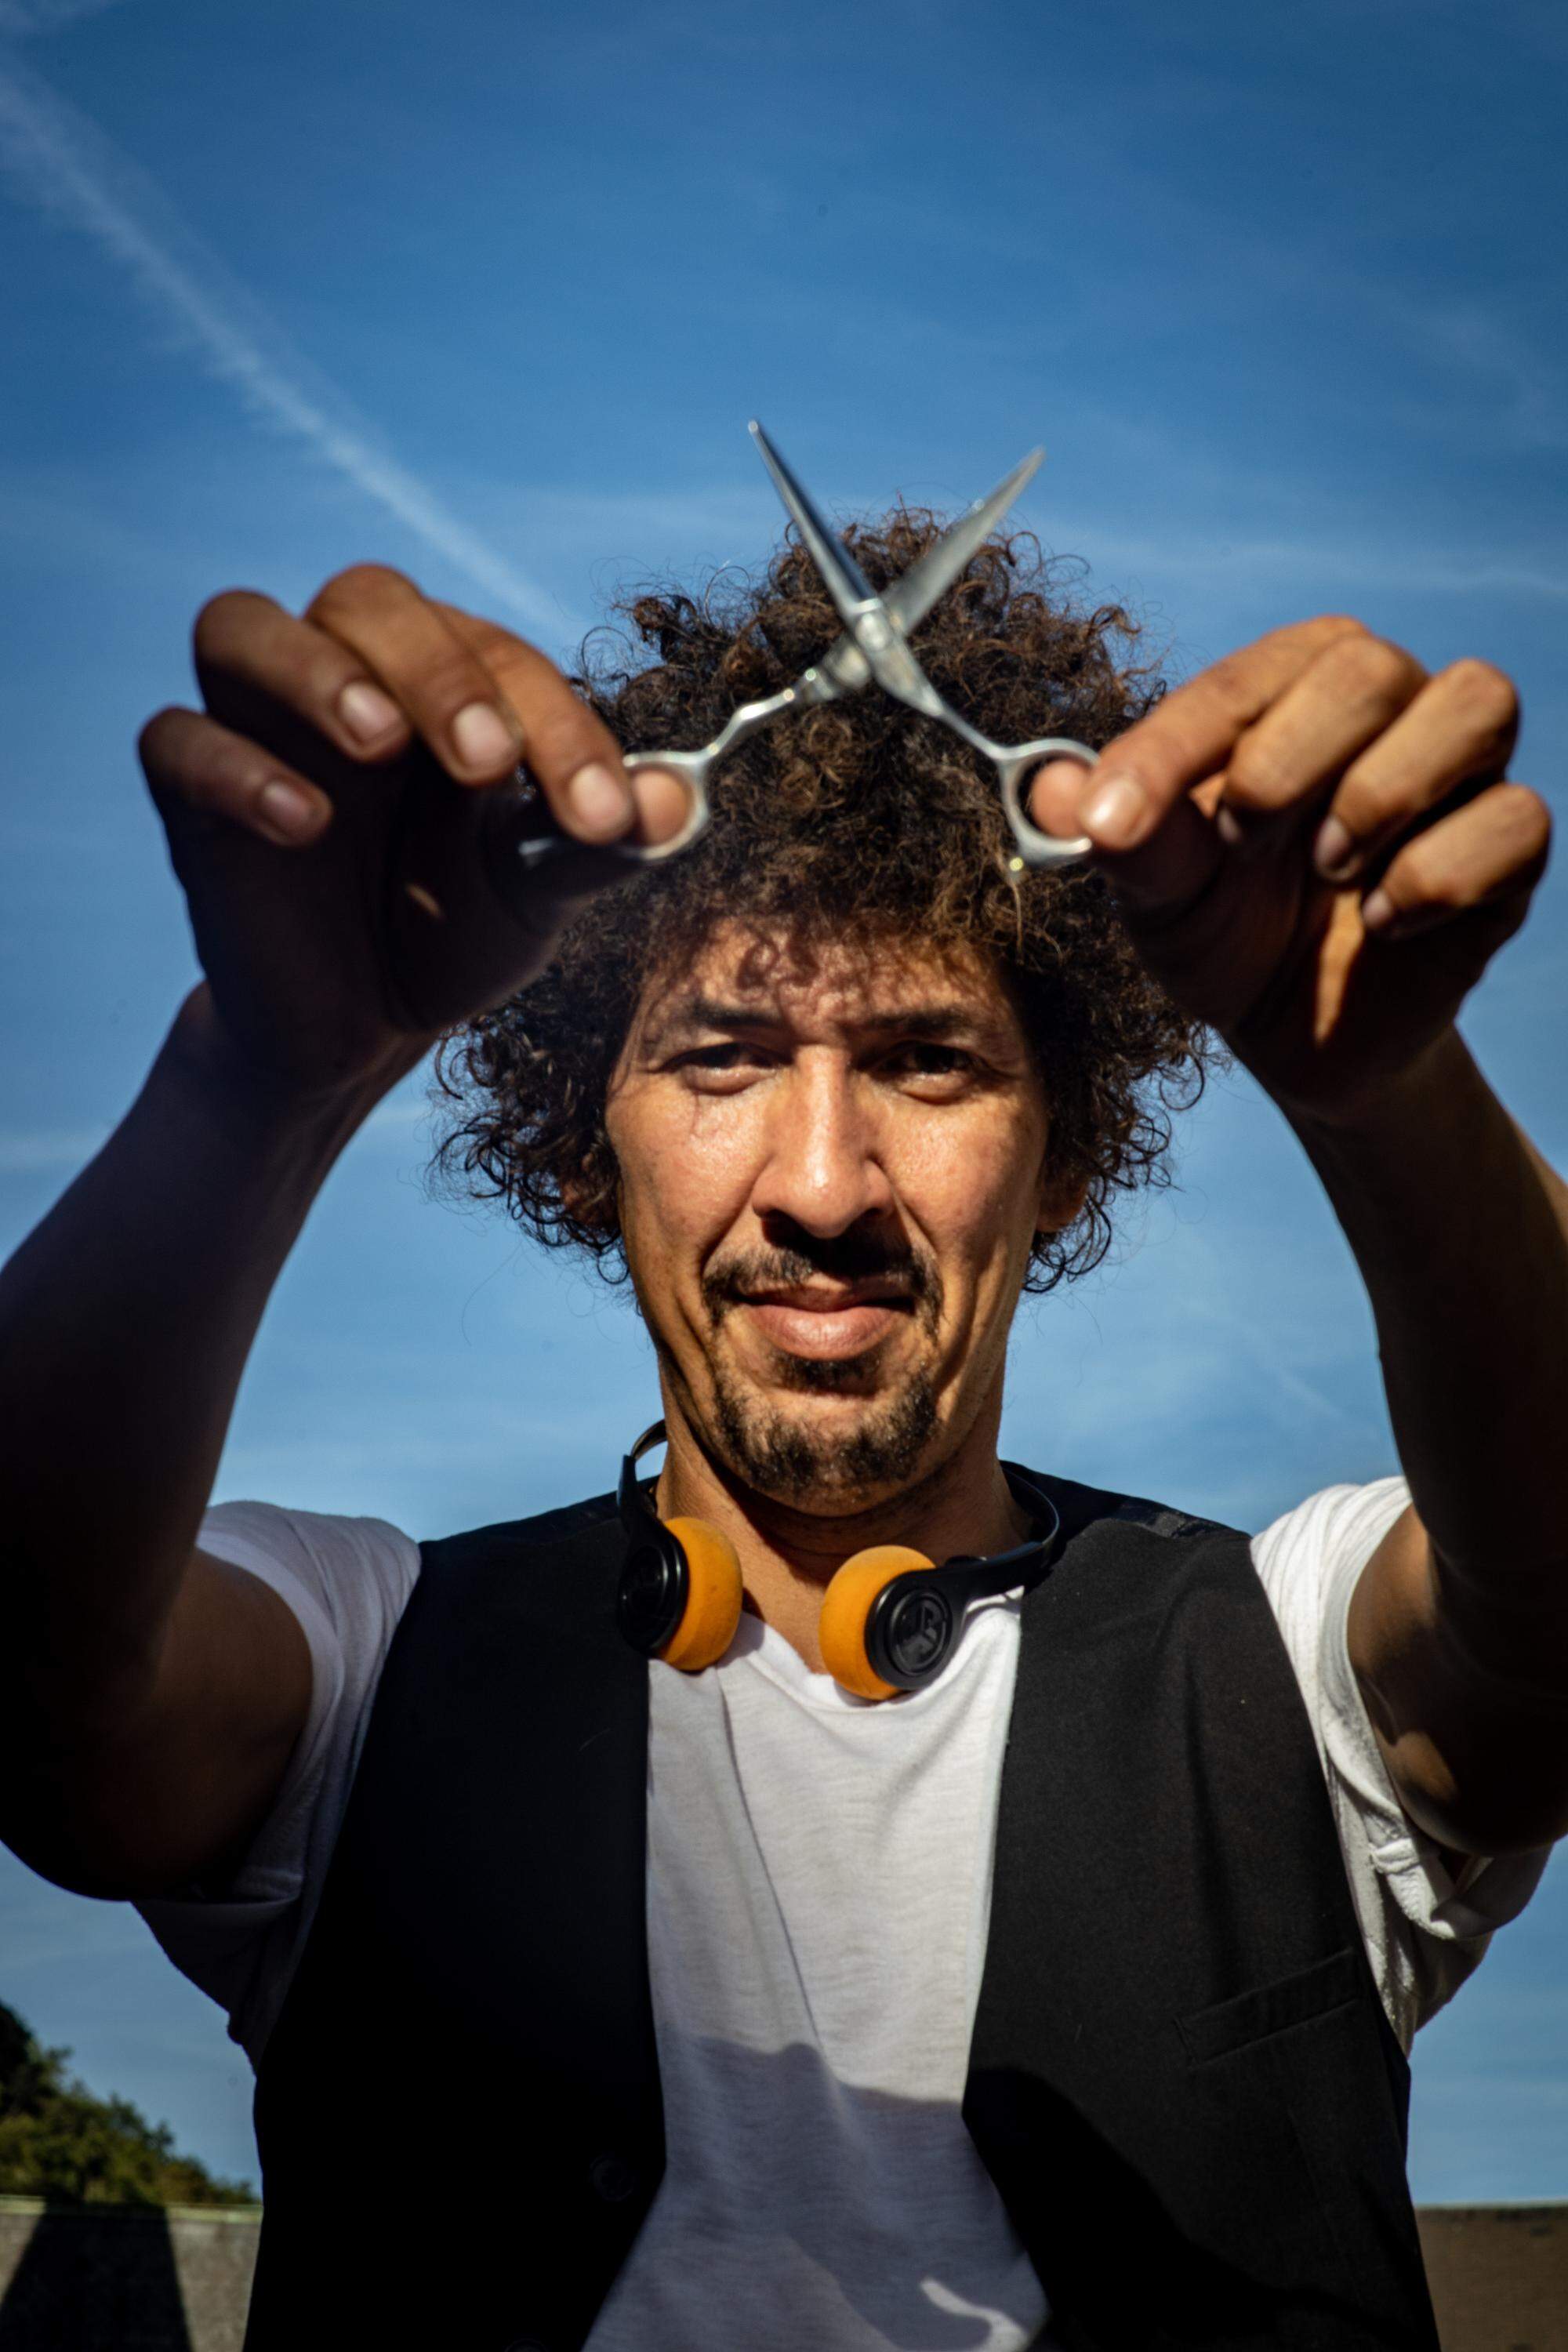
322	813
1315	847
1458	1630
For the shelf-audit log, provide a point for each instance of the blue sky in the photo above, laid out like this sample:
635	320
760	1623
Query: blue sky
490	295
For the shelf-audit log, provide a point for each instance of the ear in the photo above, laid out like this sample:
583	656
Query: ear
583	1203
1063	1192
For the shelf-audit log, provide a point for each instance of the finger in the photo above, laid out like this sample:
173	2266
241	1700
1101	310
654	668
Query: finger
196	768
1346	697
570	752
1192	733
459	707
450	698
1460	730
1492	852
248	649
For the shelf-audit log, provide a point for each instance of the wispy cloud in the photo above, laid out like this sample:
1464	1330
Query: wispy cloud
1350	562
18	18
59	160
1477	352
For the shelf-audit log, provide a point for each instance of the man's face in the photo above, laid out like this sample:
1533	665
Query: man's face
832	1171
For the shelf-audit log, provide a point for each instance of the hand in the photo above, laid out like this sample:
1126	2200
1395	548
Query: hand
325	817
1314	851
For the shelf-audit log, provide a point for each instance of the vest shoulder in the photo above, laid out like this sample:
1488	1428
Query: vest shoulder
1082	1506
543	1532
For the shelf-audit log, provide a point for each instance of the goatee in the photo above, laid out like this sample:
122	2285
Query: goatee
810	1468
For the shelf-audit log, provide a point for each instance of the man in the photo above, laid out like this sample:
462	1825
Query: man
1064	1999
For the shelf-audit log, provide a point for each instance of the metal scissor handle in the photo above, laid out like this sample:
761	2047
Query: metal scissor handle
898	673
1014	767
872	647
510	817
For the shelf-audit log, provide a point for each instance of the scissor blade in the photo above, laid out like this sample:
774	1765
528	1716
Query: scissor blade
911	596
847	584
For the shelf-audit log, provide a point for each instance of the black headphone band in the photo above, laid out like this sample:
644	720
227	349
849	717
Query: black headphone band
656	1582
916	1619
633	1502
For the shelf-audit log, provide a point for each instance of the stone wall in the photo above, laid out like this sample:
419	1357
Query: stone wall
117	2278
1499	2275
123	2278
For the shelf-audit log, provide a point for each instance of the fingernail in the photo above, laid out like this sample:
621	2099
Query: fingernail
598	801
1377	911
1334	851
481	737
1116	813
287	812
367	713
1229	826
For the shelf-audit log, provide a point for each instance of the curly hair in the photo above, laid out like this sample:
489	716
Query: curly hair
857	816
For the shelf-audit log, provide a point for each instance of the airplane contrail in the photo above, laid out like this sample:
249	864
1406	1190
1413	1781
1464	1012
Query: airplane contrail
67	166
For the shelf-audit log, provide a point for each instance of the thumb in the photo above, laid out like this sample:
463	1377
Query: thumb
532	863
1165	872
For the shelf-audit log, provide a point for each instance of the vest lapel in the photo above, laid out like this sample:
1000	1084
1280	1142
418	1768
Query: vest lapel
1180	2077
459	2109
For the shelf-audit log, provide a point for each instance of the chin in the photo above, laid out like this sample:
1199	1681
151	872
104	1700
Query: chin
824	1455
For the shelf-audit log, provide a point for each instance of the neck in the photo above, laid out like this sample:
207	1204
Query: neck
788	1555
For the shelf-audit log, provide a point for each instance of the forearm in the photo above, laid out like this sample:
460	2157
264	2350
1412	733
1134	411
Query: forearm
1460	1230
125	1322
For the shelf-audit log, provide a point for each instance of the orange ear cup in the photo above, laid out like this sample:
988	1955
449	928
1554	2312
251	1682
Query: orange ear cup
713	1609
841	1629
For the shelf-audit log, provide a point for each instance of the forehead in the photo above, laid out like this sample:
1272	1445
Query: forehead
827	985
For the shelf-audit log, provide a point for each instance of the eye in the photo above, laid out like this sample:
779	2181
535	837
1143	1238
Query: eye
735	1058
928	1061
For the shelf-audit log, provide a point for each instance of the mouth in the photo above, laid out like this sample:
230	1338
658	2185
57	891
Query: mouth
827	1322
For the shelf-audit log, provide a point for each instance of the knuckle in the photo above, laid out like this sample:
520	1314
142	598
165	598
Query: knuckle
1308	637
1258	773
1226	683
449	678
159	733
1369	799
489	637
1319	637
1374	665
359	584
1420	877
1527	815
1487	694
223	617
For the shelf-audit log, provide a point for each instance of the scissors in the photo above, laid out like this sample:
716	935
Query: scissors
873	647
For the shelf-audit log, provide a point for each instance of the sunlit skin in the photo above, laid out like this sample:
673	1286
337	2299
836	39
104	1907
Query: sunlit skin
846	1108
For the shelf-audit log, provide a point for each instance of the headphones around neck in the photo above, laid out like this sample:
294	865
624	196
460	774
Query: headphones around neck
891	1617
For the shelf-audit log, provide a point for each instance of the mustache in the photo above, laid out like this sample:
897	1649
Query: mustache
842	1257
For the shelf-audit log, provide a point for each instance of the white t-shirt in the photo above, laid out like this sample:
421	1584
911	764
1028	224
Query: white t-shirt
818	1892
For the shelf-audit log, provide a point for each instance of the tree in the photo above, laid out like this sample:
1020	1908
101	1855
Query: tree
58	2141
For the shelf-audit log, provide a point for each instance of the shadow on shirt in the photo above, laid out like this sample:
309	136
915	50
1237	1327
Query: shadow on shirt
861	2200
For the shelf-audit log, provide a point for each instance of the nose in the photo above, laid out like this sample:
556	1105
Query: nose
822	1167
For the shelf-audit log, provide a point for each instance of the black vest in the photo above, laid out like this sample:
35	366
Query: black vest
1180	2078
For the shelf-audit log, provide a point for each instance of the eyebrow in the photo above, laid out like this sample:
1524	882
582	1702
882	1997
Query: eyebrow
934	1022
